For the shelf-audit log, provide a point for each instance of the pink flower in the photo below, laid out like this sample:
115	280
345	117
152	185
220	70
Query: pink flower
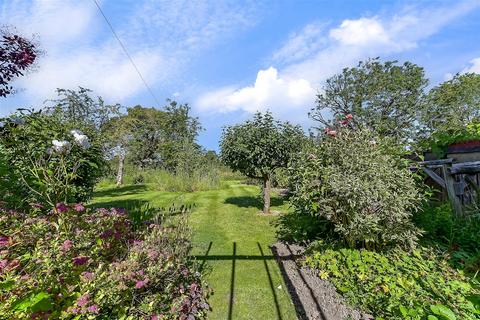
119	211
3	263
93	308
153	254
349	116
330	132
83	300
5	241
154	317
141	283
102	211
89	276
61	207
79	261
79	207
67	244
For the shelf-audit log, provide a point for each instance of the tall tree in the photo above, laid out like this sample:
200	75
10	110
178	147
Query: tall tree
80	108
161	136
181	131
147	135
382	96
259	146
17	55
452	105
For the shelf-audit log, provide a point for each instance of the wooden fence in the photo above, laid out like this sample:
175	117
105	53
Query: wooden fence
460	182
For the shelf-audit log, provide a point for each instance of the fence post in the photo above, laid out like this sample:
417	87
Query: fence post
449	181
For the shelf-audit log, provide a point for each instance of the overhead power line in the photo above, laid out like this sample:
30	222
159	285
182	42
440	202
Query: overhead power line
126	53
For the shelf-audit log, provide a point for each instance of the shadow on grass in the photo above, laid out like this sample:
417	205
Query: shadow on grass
253	202
120	191
233	258
141	211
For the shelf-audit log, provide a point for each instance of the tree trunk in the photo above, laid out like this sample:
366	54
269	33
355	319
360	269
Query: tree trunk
266	194
121	166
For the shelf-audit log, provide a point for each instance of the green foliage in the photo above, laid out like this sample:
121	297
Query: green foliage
259	146
80	109
163	180
82	264
358	182
452	105
398	284
38	171
382	96
458	236
159	137
439	141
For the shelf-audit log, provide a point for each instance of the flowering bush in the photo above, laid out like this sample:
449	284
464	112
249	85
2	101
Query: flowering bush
359	185
46	161
83	264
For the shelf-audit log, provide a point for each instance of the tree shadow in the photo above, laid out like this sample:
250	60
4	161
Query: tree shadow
141	211
128	204
253	202
120	191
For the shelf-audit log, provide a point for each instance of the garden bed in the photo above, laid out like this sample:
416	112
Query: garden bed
313	297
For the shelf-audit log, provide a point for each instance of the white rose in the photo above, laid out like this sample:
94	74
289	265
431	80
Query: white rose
60	146
81	139
2	124
76	132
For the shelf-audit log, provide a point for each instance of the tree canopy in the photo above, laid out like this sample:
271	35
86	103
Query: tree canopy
382	96
259	146
453	104
17	55
79	107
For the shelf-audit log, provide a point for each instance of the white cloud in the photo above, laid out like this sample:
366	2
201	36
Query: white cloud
475	66
360	32
314	54
301	44
268	92
55	21
161	37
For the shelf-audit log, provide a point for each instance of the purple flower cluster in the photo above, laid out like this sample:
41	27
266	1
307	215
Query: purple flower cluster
84	306
80	260
66	246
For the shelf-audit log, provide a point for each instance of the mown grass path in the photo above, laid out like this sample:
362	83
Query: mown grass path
233	241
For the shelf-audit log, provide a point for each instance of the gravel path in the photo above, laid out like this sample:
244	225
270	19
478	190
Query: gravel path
314	298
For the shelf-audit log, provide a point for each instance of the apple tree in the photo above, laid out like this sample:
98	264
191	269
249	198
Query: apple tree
259	146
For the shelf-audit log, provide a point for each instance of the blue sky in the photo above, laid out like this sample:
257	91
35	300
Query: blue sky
228	59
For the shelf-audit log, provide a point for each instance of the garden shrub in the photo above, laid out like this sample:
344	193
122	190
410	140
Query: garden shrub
398	284
359	183
46	161
457	236
77	263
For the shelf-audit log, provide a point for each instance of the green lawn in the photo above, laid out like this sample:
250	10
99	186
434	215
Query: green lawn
246	280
